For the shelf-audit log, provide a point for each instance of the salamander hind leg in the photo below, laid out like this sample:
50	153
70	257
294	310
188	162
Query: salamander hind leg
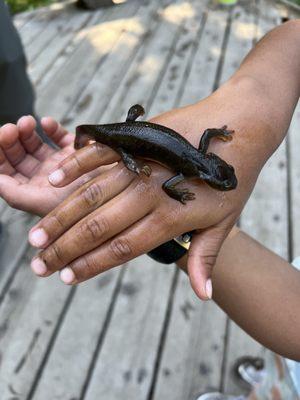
182	195
135	112
134	165
222	134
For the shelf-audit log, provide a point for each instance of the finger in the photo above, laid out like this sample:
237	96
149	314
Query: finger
115	216
27	134
59	135
11	145
119	250
5	166
15	153
81	162
202	256
82	202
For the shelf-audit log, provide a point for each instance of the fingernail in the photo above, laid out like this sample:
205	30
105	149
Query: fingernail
38	267
208	289
67	275
56	177
38	237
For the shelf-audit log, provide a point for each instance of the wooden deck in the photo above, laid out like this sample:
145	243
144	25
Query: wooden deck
137	332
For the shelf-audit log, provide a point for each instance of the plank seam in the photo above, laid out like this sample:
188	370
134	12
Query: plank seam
163	334
69	42
24	247
55	36
225	351
223	50
189	67
290	223
51	342
135	54
164	69
103	332
98	65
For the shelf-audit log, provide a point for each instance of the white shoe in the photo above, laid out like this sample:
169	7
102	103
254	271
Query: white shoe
250	370
219	396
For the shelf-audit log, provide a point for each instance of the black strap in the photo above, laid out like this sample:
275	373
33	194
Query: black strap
168	253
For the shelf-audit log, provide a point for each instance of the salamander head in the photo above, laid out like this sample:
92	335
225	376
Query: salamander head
218	174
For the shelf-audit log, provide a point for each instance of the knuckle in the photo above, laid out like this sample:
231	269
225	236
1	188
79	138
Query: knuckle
99	148
121	249
94	229
88	266
166	220
93	195
209	260
78	164
57	220
54	255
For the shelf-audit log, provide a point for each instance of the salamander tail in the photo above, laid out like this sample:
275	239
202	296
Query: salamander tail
83	136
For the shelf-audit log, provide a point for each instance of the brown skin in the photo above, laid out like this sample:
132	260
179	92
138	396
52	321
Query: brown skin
261	294
25	163
99	228
260	291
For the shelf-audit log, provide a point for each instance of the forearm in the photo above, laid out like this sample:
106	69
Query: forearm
258	101
260	292
275	64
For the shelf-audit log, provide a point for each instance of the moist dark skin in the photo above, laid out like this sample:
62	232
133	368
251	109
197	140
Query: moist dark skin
141	139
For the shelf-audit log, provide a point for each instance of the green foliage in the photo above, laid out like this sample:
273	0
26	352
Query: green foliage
24	5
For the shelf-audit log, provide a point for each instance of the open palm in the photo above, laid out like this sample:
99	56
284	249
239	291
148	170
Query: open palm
25	163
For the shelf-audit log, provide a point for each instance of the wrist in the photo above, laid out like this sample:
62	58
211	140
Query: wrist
242	106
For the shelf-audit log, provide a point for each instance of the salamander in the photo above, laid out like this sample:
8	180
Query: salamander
141	139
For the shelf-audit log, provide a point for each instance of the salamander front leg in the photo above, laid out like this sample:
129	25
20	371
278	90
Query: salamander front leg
182	195
133	165
222	134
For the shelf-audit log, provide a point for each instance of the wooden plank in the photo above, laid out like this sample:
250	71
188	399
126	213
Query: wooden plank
193	351
170	84
200	81
15	226
75	345
138	85
41	19
192	355
57	357
26	379
21	19
51	67
28	327
3	206
265	215
294	170
47	57
135	326
294	180
31	31
122	58
54	31
133	370
240	41
95	46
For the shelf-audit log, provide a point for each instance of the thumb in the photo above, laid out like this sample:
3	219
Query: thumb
202	256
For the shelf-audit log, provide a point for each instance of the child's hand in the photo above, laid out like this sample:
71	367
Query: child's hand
25	163
118	216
